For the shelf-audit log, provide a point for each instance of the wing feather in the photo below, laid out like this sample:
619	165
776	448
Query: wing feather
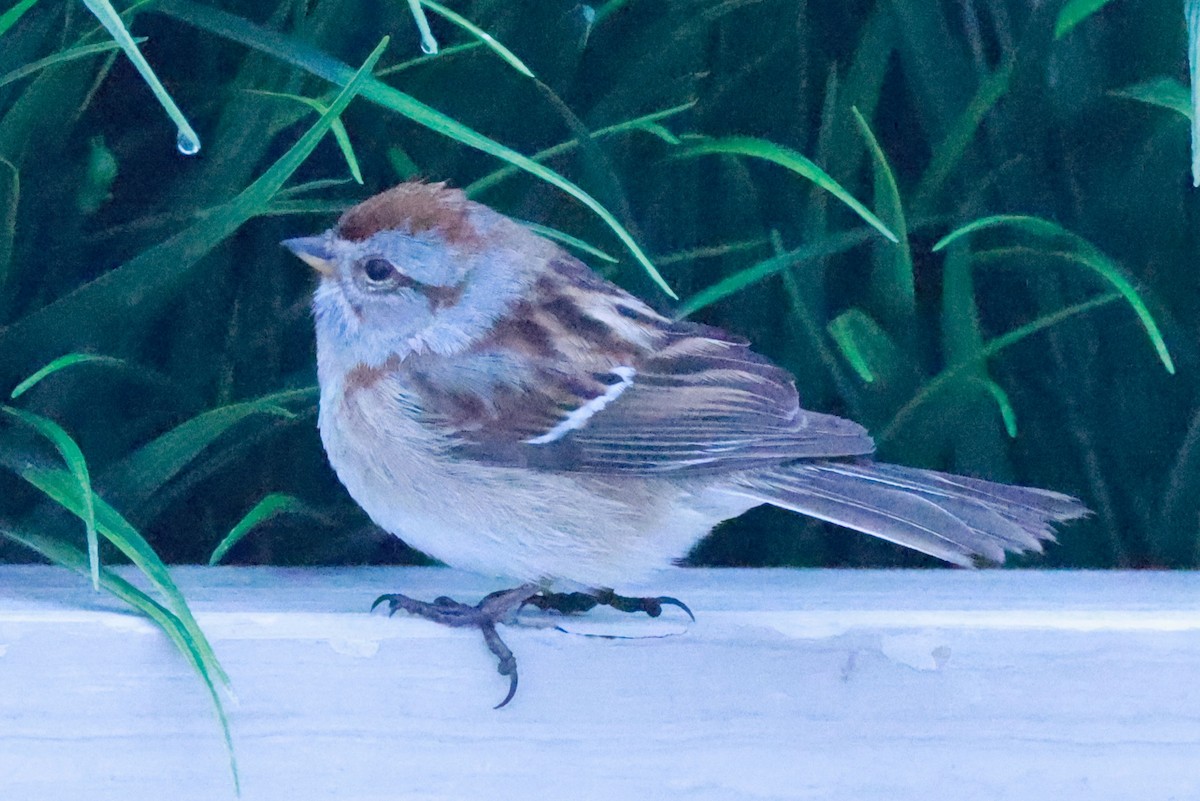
651	396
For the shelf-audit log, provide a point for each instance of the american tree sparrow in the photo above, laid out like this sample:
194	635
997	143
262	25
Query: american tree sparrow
493	402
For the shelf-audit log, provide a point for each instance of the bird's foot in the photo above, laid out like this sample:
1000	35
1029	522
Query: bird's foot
569	603
497	607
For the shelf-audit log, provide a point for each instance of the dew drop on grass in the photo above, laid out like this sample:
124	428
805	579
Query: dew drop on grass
429	46
188	145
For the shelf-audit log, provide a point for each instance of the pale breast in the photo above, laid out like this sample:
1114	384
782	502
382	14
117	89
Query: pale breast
521	524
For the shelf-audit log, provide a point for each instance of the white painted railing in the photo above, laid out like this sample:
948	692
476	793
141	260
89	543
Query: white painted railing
854	685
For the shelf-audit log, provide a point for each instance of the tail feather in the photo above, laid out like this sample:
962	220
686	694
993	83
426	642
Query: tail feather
955	518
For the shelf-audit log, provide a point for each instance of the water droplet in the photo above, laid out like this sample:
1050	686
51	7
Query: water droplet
589	15
429	46
188	145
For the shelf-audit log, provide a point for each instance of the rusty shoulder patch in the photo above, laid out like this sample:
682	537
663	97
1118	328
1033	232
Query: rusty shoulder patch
362	377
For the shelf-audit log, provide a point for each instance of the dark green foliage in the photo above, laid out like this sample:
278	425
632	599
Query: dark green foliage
685	121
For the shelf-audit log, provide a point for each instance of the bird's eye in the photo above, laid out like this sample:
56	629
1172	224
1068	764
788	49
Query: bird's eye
380	275
379	271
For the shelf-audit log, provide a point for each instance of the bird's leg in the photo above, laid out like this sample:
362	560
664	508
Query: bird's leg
495	608
569	603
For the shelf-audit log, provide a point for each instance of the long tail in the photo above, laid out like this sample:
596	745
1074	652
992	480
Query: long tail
955	518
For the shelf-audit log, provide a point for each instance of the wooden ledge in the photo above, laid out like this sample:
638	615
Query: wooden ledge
854	685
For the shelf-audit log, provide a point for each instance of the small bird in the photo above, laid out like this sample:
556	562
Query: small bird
493	402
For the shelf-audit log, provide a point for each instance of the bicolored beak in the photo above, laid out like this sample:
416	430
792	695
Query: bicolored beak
313	251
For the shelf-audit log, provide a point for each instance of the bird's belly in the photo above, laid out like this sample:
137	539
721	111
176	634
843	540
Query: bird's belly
520	524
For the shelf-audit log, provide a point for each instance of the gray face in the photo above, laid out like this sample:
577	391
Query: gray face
396	294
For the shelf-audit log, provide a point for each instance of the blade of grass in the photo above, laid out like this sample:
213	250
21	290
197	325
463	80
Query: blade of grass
429	44
187	141
318	63
1192	13
948	153
661	131
311	186
733	284
70	54
60	487
62	362
892	283
1075	12
846	329
139	475
11	187
1085	254
72	456
62	554
283	207
10	17
483	36
962	339
954	372
714	251
444	52
1007	414
567	239
788	159
152	276
337	128
1162	91
481	185
276	503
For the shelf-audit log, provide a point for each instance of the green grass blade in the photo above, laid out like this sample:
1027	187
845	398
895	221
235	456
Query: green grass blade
270	506
280	208
733	284
142	473
847	331
188	142
948	153
155	274
311	186
1192	12
429	44
62	362
62	554
1007	414
714	251
10	191
70	54
481	185
336	128
71	454
1085	254
788	159
483	36
1075	12
956	372
661	131
1162	91
444	52
567	239
60	487
893	285
314	61
10	17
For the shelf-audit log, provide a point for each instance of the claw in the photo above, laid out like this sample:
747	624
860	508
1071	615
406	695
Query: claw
666	599
508	662
570	603
496	607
